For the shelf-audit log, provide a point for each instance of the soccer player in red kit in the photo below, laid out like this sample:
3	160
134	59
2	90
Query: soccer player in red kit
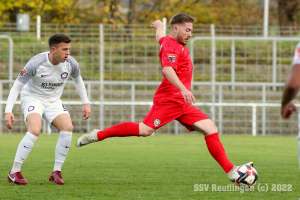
173	99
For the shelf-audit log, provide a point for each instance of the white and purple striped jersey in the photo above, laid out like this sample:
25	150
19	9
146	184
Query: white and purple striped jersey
46	81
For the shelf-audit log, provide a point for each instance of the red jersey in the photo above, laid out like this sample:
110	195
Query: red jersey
173	54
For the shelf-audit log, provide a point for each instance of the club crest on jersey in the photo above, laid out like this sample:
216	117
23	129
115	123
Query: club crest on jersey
297	55
30	108
64	75
156	122
172	57
23	72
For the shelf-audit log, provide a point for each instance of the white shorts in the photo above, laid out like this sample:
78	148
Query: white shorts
47	110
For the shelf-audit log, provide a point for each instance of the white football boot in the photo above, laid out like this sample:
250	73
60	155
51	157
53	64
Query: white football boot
87	138
231	173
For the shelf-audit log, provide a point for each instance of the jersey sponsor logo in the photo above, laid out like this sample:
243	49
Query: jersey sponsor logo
43	75
51	85
297	55
172	57
156	122
23	72
30	108
64	75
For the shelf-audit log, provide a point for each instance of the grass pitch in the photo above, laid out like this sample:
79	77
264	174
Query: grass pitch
156	167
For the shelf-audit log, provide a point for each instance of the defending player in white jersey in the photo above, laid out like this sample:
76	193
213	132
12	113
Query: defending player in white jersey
41	83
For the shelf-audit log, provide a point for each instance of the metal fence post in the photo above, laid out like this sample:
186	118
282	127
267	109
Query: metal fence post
213	70
274	61
253	120
11	46
132	100
220	124
165	26
44	126
264	110
88	123
49	131
232	63
101	71
176	127
38	27
266	17
192	58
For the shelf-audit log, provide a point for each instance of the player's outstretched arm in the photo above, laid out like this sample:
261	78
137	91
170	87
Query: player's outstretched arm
159	29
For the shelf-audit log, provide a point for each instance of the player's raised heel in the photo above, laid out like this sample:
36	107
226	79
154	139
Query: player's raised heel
231	173
87	138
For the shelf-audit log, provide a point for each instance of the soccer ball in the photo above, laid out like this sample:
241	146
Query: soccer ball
245	176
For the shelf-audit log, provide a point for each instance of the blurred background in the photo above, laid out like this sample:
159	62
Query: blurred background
242	53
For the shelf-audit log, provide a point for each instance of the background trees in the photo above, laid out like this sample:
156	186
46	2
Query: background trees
226	12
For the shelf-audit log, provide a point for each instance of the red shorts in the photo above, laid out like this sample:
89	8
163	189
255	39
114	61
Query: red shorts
166	109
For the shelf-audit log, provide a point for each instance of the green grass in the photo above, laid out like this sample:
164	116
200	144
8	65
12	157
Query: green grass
156	167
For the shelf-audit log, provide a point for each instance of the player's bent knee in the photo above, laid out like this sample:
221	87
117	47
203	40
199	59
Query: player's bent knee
206	127
214	129
64	127
67	128
145	130
146	133
70	128
34	131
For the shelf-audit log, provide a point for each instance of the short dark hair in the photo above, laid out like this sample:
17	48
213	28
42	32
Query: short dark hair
181	18
58	38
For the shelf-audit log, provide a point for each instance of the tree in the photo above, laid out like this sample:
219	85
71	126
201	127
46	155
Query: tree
220	12
227	12
287	12
58	11
131	11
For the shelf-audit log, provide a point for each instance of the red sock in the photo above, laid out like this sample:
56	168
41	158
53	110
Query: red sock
120	130
217	151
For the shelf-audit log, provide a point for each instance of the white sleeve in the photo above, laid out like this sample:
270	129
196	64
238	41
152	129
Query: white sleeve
13	95
80	87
